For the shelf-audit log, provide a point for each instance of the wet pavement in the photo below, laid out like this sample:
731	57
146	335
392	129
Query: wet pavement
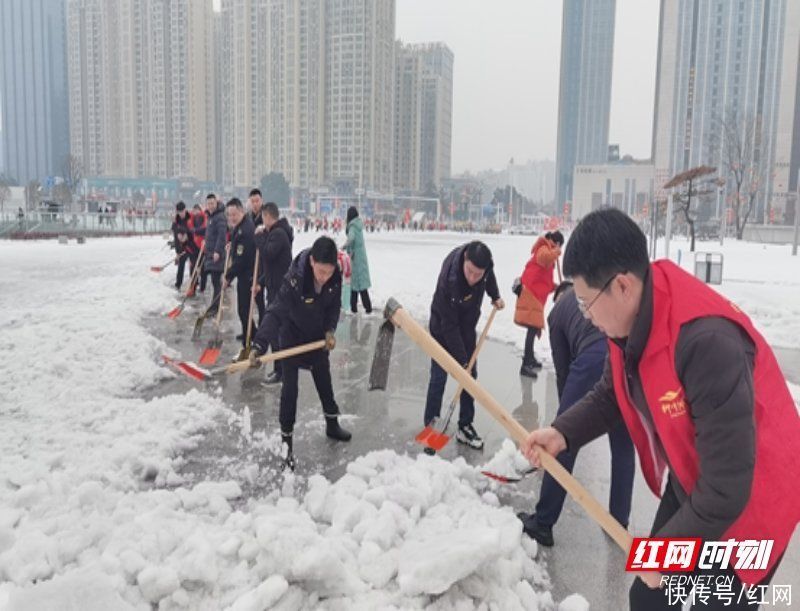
583	560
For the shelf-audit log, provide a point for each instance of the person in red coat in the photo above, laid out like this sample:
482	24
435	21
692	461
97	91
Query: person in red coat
703	398
536	284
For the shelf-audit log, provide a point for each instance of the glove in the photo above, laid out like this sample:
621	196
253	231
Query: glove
253	358
330	341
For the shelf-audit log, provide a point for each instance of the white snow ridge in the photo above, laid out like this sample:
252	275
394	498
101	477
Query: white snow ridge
93	515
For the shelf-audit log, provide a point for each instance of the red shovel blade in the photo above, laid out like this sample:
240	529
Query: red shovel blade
432	438
156	268
210	356
190	292
189	369
175	312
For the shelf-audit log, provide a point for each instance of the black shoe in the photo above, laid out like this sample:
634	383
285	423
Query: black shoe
287	452
528	371
240	337
469	436
430	451
531	527
273	378
535	363
334	431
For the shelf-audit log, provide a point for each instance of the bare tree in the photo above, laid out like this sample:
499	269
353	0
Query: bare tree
5	193
690	184
72	173
737	144
33	193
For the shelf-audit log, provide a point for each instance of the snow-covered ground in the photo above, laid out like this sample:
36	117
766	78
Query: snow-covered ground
94	512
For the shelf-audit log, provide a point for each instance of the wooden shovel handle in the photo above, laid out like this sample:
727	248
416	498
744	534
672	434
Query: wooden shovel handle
475	352
276	356
197	265
252	301
222	290
583	497
558	269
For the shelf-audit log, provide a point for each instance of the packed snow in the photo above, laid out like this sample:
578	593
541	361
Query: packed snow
94	511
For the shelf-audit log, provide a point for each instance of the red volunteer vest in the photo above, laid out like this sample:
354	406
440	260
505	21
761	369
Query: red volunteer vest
774	506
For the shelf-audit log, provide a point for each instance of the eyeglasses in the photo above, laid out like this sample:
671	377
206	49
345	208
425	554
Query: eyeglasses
585	307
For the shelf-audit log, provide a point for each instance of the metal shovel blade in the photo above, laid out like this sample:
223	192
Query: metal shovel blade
379	372
198	327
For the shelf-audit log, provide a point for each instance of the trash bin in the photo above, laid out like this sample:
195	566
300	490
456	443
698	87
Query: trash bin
708	267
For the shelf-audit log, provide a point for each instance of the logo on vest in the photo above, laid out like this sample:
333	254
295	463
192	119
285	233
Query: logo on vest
672	404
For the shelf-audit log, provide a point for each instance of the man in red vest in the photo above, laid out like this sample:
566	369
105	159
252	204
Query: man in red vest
700	392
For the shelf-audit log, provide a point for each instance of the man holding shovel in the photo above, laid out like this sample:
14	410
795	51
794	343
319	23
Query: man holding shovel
243	257
700	392
216	238
466	275
305	310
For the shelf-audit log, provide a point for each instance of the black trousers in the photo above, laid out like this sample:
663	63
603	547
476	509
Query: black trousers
243	286
528	357
320	367
182	266
261	305
216	282
643	598
364	300
277	366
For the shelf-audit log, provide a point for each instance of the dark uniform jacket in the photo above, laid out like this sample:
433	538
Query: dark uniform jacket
276	256
180	226
456	306
243	251
216	236
298	315
570	334
714	360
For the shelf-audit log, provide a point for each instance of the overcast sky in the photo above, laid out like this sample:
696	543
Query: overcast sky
505	89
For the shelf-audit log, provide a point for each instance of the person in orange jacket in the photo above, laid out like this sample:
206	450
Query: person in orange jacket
703	398
536	284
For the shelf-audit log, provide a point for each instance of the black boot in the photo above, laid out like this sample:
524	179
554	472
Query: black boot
539	532
288	454
527	370
334	431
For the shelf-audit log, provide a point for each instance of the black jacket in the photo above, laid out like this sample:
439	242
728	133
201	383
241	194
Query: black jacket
181	226
276	256
243	251
714	360
216	237
570	334
456	306
256	218
298	315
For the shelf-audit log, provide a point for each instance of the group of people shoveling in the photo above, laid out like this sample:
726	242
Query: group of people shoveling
642	351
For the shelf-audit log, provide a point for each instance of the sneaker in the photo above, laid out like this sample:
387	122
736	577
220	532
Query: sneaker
335	431
528	371
430	451
273	378
538	532
468	435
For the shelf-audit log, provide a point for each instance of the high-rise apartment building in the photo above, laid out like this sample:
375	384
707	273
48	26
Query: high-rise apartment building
584	102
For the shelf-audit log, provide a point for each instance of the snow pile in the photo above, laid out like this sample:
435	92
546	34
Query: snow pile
95	513
508	461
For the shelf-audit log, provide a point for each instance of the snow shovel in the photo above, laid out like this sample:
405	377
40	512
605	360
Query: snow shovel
244	353
432	435
199	373
396	314
177	310
210	355
160	268
508	479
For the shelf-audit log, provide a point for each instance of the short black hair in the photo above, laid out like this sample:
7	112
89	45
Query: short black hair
255	192
271	209
324	251
180	206
564	286
211	196
196	207
555	236
234	202
604	243
479	254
